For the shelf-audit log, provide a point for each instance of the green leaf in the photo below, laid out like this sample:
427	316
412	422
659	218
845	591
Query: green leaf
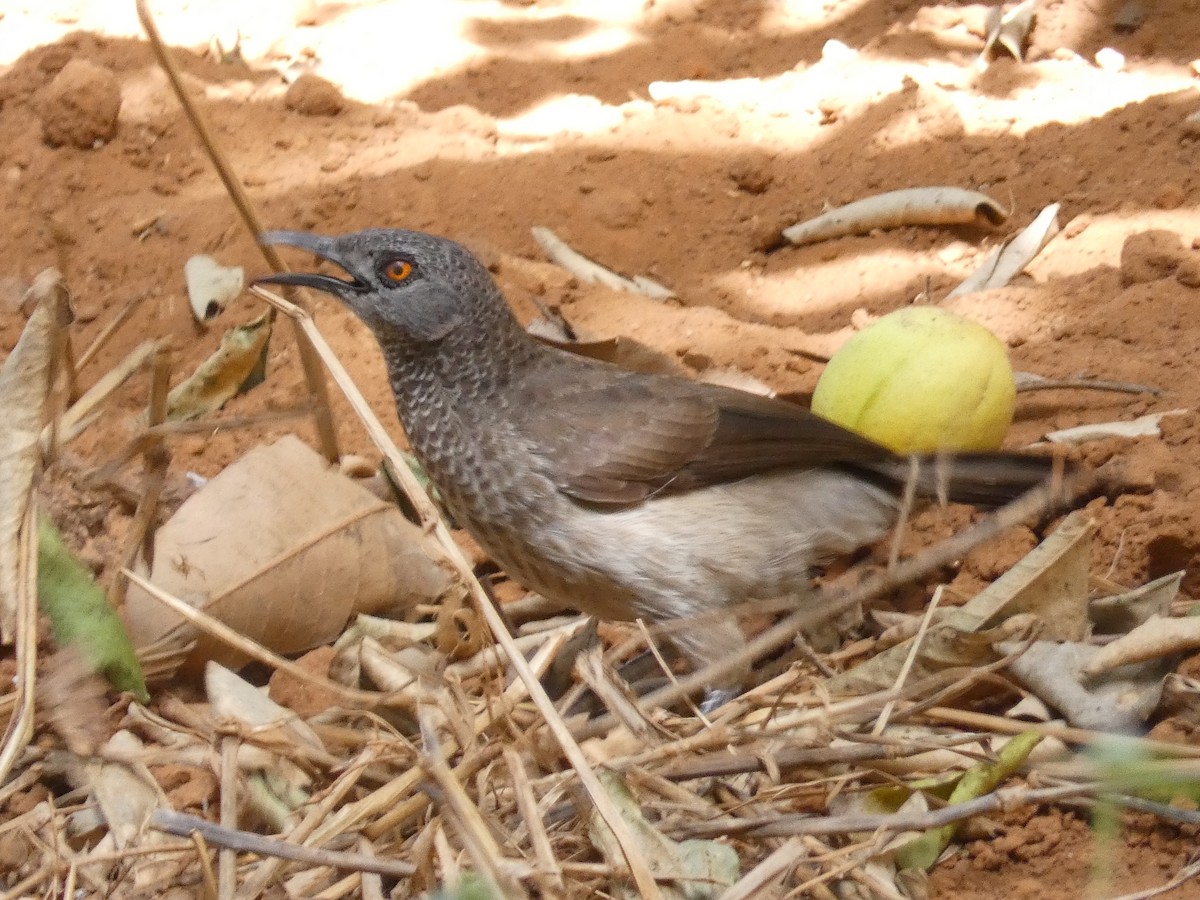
80	614
978	780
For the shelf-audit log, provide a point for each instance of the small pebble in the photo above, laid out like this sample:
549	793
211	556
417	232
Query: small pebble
312	95
1170	197
80	106
835	51
1188	273
1110	60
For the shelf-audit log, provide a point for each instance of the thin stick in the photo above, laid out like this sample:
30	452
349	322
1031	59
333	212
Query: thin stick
314	380
985	722
206	426
20	725
771	868
527	806
182	825
227	856
253	649
432	522
788	825
141	533
208	878
81	413
109	330
913	651
458	809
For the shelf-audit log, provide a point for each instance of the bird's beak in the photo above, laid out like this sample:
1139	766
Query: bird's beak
325	248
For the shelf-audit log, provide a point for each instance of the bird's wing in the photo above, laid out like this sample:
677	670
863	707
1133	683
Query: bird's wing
614	437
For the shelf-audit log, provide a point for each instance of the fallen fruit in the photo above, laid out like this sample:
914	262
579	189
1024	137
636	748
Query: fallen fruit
920	380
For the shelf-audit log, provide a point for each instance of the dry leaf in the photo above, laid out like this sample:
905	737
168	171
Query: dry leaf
712	865
285	550
1155	638
24	386
233	698
1050	584
223	375
1004	263
1142	426
911	206
127	795
1009	29
1121	613
592	272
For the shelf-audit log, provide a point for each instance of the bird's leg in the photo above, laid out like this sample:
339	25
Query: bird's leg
715	698
713	639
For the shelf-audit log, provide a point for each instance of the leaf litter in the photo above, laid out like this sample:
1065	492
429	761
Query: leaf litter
362	788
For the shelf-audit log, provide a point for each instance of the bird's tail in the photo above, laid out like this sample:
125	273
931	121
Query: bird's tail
982	479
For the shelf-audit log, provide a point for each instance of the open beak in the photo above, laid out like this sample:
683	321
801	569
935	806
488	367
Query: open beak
325	248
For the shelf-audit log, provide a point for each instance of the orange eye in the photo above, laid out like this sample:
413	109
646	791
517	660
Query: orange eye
398	269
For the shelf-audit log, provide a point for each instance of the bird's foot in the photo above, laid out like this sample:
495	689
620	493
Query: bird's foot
715	698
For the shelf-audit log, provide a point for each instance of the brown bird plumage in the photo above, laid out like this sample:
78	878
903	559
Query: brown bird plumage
618	493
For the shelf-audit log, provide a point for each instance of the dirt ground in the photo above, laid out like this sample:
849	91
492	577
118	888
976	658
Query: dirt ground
480	119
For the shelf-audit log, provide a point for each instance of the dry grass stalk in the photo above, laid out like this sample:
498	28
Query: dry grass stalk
20	724
141	532
313	377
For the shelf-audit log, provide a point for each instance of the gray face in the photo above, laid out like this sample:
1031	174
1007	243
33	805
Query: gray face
405	285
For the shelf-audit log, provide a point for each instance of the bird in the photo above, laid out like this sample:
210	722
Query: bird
622	494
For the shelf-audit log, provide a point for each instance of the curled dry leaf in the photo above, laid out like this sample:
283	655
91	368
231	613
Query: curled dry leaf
1005	262
703	869
1121	613
211	286
592	272
911	206
1155	638
1009	28
24	386
285	550
223	375
1142	426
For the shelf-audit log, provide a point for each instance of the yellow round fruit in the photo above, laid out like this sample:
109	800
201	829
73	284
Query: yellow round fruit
920	380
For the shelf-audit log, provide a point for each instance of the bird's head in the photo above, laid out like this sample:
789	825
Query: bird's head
404	285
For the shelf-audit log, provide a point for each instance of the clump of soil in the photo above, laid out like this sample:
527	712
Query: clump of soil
81	105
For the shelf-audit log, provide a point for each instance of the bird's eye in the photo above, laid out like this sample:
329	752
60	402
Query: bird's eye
397	270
